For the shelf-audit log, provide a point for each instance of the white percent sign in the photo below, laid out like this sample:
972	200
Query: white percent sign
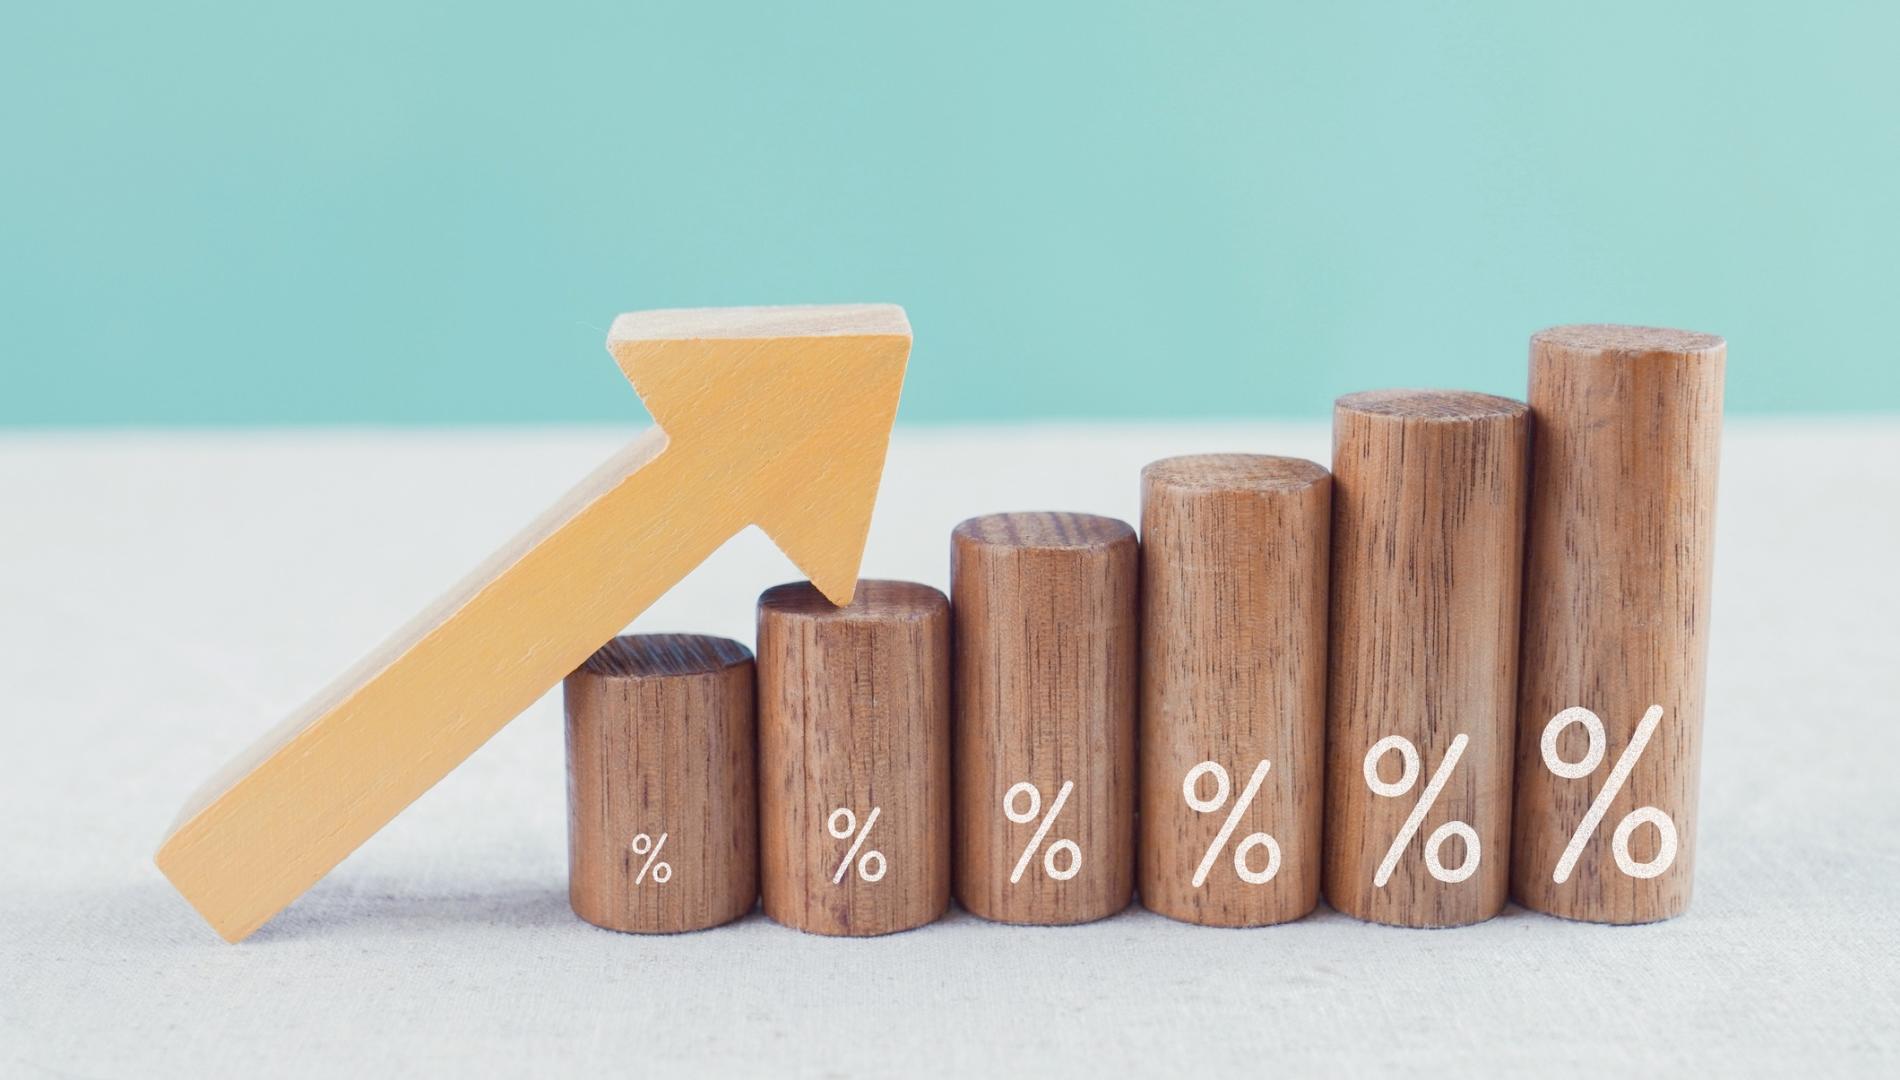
1619	774
646	845
841	824
1222	786
1027	815
1408	778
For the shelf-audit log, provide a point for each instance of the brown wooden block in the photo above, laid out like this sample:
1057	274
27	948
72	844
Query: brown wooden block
1233	694
1046	671
854	757
662	811
1428	545
1616	619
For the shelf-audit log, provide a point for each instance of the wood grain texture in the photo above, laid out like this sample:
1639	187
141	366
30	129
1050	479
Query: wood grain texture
1616	607
1046	615
854	715
771	416
1234	556
660	744
1428	544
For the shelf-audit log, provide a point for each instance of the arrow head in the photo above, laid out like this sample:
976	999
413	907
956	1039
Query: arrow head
800	398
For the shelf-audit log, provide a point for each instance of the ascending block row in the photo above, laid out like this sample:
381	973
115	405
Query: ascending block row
1283	639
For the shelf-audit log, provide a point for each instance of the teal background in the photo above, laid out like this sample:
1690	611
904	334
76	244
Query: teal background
402	212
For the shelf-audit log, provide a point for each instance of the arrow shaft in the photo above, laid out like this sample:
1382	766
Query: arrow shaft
338	769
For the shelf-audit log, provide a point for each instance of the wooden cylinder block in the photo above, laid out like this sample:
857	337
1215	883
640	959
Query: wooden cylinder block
854	757
1234	555
1428	545
662	812
1616	619
1046	672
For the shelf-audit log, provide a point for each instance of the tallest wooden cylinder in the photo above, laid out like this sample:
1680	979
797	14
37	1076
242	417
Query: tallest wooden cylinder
1616	619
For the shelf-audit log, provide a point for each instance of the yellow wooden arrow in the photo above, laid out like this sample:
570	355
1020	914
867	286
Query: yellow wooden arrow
778	417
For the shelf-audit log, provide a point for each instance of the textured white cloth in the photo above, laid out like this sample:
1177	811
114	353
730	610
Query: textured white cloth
165	598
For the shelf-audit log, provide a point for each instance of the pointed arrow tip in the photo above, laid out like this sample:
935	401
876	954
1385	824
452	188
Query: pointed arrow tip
804	395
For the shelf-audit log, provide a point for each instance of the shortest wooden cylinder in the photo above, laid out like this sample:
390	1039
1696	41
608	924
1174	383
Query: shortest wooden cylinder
854	757
661	788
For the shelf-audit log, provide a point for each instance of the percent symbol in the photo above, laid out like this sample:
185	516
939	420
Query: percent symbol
1027	815
1619	773
646	845
1408	778
841	824
1222	786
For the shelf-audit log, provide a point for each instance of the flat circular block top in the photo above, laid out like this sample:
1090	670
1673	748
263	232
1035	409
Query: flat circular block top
651	656
1613	338
1234	472
874	600
1044	529
1429	405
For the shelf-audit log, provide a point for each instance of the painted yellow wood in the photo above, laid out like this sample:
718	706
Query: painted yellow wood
778	417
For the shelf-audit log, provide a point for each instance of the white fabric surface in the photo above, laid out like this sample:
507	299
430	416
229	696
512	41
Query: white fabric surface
166	597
